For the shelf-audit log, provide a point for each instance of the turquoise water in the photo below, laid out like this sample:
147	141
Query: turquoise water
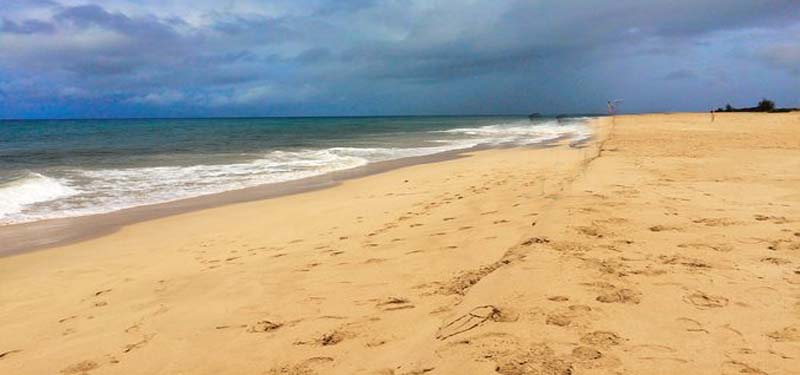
60	168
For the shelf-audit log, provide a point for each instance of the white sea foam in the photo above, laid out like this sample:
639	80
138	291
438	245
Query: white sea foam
106	190
525	133
31	189
89	191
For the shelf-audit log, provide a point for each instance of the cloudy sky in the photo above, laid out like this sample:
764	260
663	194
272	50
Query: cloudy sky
131	58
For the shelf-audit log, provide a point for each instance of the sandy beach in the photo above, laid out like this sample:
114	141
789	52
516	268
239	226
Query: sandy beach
668	244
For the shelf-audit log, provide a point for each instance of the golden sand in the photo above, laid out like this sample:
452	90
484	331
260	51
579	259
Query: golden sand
668	245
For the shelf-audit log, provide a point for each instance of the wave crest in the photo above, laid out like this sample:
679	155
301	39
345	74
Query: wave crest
522	133
30	189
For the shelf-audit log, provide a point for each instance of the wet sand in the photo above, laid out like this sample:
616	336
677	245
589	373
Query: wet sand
668	244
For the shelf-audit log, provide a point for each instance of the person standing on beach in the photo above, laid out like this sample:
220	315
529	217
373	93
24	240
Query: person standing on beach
611	111
712	115
612	106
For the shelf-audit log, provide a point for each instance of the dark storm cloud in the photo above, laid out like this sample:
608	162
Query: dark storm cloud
531	31
370	56
85	16
26	27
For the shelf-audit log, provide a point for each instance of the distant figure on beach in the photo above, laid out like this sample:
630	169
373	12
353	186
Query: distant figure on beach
612	106
712	115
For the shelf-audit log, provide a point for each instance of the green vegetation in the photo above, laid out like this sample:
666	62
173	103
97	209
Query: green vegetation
765	105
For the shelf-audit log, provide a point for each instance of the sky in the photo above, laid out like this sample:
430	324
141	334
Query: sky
148	58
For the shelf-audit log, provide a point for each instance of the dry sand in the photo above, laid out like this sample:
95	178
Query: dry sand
668	245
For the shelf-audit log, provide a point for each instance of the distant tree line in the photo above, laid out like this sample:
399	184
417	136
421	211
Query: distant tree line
765	105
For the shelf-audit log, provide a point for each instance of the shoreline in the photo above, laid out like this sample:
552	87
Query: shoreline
69	230
49	233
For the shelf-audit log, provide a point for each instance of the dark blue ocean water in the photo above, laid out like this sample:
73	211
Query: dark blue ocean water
64	168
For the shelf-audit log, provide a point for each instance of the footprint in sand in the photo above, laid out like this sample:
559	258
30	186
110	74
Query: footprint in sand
628	296
332	338
535	240
775	261
684	261
591	231
570	247
585	353
395	303
788	334
304	368
783	244
264	326
704	301
602	338
537	359
131	347
559	319
664	228
82	367
691	325
716	221
590	358
567	317
736	367
772	219
111	359
104	291
67	318
607	266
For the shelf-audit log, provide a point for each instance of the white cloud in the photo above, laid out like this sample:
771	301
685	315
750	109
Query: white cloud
263	94
159	98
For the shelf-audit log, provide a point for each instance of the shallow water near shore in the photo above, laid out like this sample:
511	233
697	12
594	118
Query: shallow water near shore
67	168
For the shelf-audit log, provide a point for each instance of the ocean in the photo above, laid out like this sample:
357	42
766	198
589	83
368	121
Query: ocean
64	168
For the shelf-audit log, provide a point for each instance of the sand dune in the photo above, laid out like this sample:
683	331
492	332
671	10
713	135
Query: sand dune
668	244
